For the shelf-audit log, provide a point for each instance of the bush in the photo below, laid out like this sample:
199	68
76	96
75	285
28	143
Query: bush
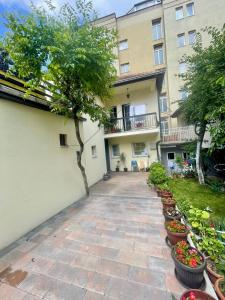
157	174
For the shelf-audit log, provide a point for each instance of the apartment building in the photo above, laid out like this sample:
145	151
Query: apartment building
153	37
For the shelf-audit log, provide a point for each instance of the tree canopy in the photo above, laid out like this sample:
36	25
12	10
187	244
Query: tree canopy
203	81
68	52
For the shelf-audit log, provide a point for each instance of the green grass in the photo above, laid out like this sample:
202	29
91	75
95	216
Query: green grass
201	196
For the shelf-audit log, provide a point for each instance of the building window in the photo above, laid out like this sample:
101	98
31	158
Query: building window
139	149
158	55
182	68
115	150
63	139
186	155
190	9
179	13
124	68
171	156
113	112
93	151
164	126
183	95
191	37
157	29
163	104
181	40
123	45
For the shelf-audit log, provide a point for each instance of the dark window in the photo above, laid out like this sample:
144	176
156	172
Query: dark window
63	139
171	155
113	112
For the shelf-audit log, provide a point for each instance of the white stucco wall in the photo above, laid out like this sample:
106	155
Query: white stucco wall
38	178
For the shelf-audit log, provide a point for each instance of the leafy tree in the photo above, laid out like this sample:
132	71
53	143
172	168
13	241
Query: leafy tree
206	94
70	54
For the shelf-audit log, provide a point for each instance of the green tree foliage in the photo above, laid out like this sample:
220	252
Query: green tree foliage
206	94
70	54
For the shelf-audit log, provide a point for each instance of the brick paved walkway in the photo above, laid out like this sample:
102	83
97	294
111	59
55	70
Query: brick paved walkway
109	246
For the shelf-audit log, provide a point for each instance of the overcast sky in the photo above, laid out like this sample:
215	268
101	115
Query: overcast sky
103	7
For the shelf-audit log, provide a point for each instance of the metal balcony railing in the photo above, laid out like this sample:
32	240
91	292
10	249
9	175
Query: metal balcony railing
132	123
179	134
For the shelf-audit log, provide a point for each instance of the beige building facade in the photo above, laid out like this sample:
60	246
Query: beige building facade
39	175
153	37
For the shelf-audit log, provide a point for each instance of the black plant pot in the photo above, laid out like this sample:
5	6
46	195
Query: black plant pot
190	277
169	218
117	169
125	169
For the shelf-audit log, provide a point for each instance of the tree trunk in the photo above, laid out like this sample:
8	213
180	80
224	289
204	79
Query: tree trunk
201	178
201	134
79	154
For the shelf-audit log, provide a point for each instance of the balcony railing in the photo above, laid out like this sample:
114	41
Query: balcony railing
180	134
132	123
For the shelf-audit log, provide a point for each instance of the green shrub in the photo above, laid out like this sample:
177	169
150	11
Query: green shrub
157	174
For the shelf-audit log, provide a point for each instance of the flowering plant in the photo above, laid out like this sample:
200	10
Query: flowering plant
187	255
171	212
176	226
191	297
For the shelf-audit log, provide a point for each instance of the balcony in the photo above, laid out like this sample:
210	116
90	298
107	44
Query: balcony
179	135
132	125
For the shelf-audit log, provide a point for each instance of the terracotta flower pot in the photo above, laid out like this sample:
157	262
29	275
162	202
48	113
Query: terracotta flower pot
199	295
190	277
218	290
213	276
175	237
166	194
168	202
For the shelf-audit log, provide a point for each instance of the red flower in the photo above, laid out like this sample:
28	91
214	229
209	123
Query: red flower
193	262
192	296
179	251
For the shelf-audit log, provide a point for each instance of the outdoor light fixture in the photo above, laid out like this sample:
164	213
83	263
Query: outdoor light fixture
128	95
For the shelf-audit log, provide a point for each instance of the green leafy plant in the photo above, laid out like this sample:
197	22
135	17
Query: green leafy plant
198	217
213	248
157	174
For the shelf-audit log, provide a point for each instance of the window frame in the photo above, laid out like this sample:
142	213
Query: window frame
180	95
179	36
164	121
63	140
128	69
189	35
163	103
181	8
157	49
94	153
174	154
183	69
125	42
144	153
115	156
191	4
157	33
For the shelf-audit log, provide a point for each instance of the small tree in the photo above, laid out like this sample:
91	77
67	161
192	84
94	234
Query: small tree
205	95
72	56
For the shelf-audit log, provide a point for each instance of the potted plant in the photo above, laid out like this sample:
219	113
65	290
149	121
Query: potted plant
118	166
168	202
215	264
220	288
176	231
189	265
196	295
123	160
171	213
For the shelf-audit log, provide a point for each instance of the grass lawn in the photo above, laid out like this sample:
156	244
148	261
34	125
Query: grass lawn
199	195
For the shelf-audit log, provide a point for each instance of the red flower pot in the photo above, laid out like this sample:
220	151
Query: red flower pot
198	295
175	237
